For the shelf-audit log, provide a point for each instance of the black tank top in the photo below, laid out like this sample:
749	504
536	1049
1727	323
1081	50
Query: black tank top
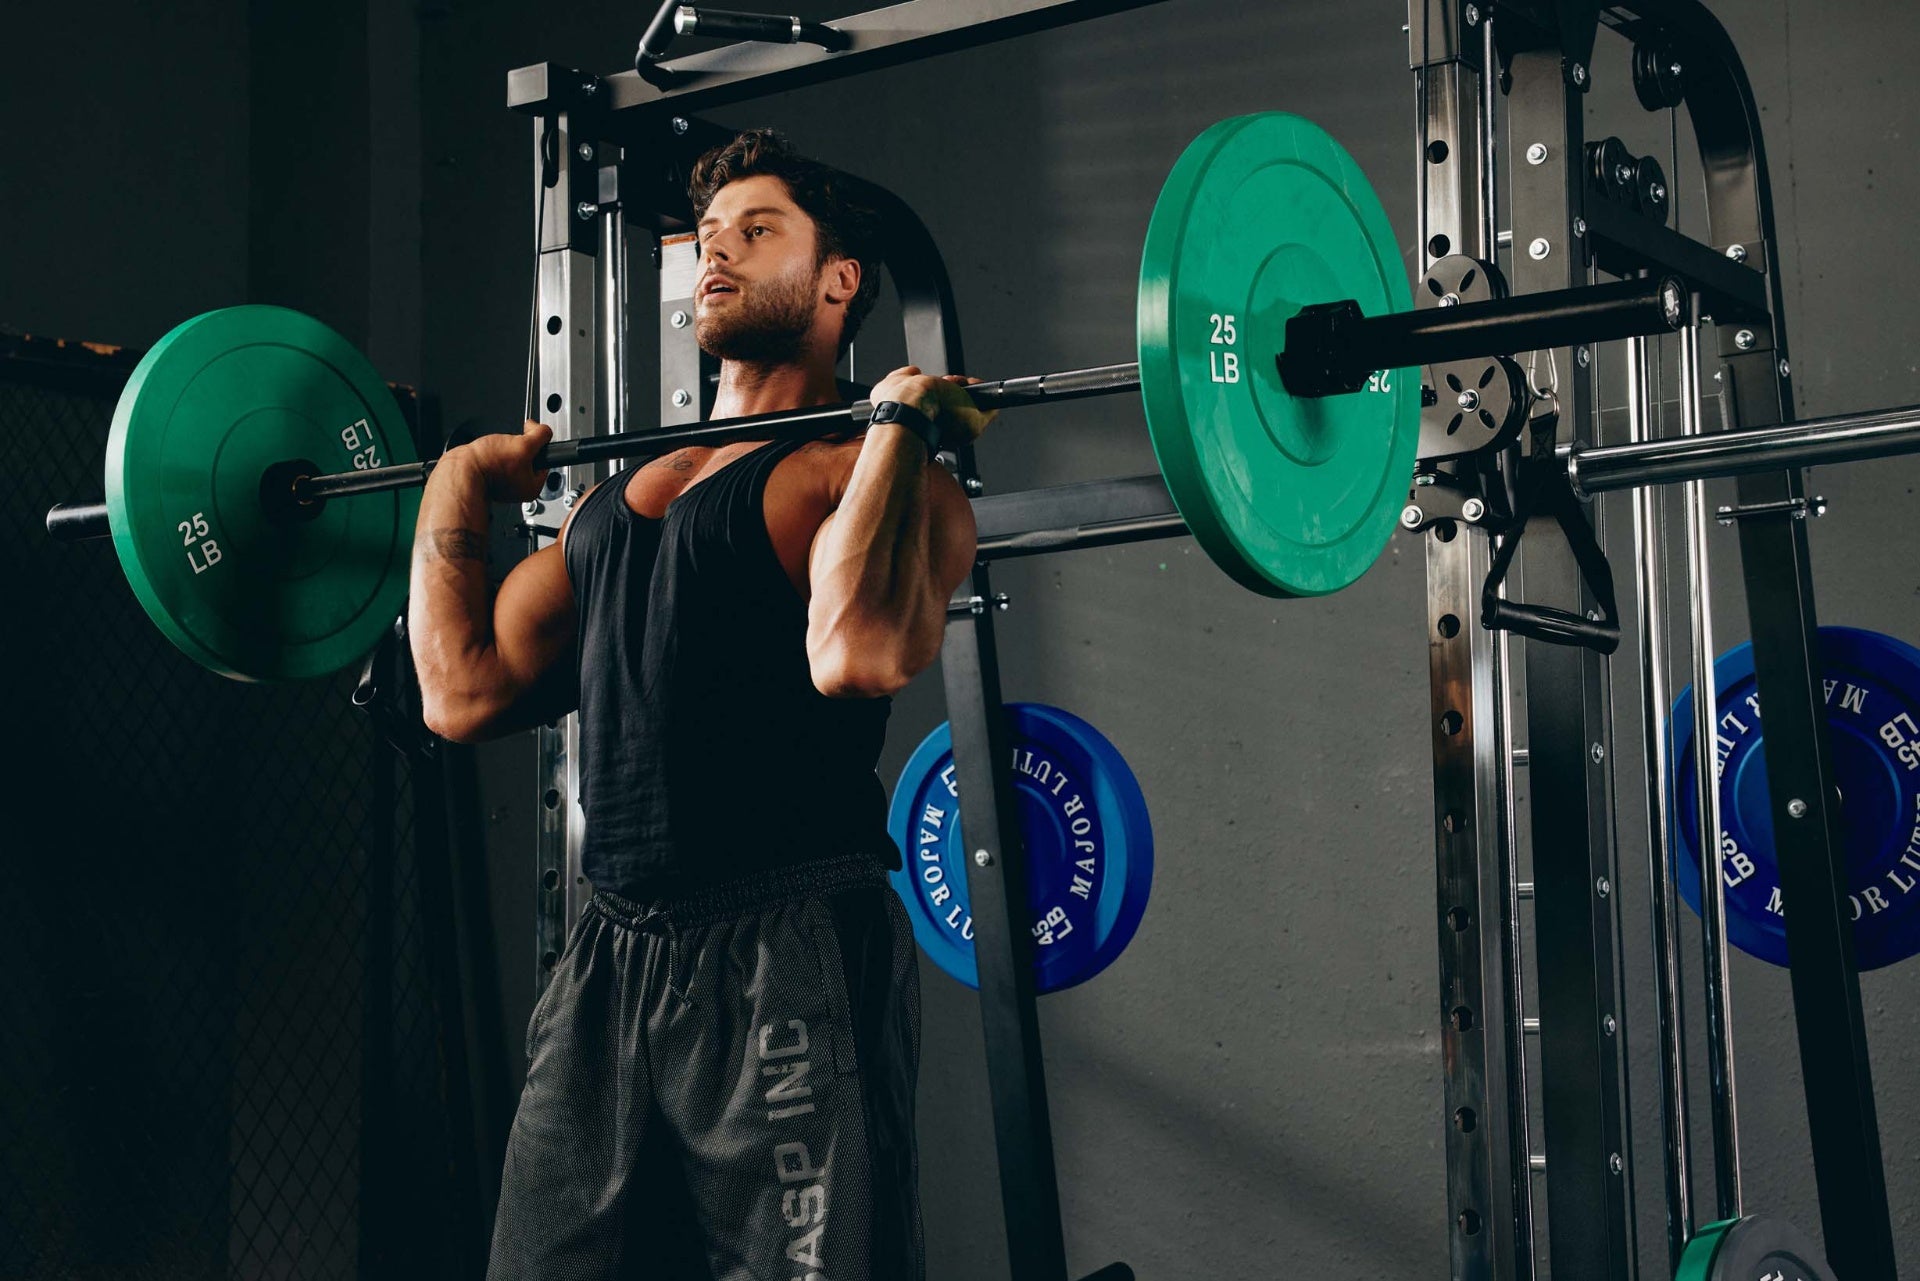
706	752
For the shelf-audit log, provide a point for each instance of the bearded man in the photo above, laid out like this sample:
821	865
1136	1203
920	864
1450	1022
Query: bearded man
721	1071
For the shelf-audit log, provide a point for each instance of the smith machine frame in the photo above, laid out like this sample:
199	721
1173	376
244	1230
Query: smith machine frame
614	152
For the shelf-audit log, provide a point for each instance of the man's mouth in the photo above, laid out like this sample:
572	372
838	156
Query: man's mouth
717	285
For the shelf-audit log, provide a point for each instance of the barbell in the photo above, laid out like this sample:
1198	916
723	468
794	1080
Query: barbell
1275	345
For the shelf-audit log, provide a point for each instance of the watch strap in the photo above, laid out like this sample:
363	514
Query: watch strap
893	411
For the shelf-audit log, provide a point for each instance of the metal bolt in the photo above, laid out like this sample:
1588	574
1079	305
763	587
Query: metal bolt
1608	1025
982	858
1599	753
1423	478
1537	153
585	210
1673	69
572	496
1657	192
1412	517
1785	369
1615	1164
1582	356
679	124
1817	505
1737	252
678	320
1468	400
680	398
1449	300
1602	886
532	507
1744	340
1797	807
1593	616
1539	249
1579	74
590	88
1579	226
1623	174
976	486
586	150
1671	303
1473	15
1472	510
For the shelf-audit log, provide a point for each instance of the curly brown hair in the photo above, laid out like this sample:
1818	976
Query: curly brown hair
846	211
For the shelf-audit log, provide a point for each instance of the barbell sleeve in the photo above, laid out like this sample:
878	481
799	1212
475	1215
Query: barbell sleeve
1531	322
1332	349
74	522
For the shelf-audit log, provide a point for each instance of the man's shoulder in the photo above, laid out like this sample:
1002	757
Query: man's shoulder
829	463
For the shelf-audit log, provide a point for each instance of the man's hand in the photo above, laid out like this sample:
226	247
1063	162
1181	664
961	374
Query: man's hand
939	398
505	462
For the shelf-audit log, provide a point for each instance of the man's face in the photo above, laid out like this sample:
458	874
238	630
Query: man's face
759	292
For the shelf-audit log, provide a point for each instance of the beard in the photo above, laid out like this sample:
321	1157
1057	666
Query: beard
767	324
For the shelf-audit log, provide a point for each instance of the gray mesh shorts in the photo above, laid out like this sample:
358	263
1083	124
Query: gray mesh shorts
721	1087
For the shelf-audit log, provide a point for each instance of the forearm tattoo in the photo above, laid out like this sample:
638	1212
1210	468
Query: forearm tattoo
457	544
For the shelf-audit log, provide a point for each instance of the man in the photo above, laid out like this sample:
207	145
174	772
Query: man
731	1041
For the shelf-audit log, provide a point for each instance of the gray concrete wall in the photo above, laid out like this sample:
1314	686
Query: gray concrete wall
1253	1088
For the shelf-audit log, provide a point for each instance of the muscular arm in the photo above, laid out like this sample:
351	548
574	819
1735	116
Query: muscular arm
883	567
489	663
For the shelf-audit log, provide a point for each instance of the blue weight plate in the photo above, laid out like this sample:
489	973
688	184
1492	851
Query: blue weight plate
1088	841
1873	715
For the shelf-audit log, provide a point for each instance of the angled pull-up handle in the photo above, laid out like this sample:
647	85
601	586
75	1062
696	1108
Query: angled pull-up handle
676	19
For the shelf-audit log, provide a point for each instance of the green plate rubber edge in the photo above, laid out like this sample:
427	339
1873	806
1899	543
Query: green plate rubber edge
1696	1261
1210	485
376	585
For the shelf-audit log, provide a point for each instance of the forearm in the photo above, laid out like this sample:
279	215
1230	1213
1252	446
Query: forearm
874	563
450	610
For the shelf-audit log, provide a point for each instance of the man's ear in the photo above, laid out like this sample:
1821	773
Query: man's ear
841	279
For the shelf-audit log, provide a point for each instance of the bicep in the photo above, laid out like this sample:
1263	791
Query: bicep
534	621
954	536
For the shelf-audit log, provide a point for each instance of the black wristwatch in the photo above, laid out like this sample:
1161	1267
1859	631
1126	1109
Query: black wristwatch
892	411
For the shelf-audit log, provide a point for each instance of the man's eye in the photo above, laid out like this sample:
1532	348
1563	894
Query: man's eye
755	230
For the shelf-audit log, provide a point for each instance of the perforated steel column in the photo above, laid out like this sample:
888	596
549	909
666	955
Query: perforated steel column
1489	1217
565	397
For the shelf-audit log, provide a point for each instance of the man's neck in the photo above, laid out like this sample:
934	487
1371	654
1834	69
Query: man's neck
747	388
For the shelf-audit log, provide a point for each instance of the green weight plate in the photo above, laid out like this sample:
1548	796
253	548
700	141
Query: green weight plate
1754	1248
217	402
1261	216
